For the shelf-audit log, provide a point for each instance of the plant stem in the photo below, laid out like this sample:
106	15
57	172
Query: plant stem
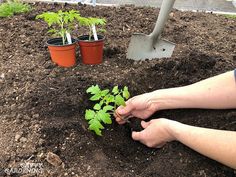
111	112
90	32
62	31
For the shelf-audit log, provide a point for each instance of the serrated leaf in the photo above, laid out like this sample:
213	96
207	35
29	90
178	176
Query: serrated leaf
100	114
89	114
52	31
126	93
93	90
101	102
109	99
97	21
107	118
108	108
61	21
115	90
83	21
103	116
10	8
96	126
95	97
104	92
119	100
97	106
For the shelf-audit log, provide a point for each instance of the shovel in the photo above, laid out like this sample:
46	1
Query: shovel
151	46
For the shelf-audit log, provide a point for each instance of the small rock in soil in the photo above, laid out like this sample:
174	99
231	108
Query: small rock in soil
54	160
35	116
18	136
41	142
23	139
2	76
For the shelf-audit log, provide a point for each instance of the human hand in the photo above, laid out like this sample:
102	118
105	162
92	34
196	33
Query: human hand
156	133
139	106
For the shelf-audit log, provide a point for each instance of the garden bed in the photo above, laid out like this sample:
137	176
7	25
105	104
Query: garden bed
42	105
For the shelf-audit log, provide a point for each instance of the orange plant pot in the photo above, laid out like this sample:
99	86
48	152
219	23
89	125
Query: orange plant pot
91	51
63	55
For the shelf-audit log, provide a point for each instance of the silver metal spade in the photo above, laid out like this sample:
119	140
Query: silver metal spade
151	46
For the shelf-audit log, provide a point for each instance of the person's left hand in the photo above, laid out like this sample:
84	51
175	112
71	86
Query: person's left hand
156	133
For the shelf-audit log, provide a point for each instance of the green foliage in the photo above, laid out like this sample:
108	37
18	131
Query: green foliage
230	16
90	21
106	103
60	22
11	8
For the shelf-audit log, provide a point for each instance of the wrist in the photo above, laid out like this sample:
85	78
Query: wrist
171	98
160	99
175	129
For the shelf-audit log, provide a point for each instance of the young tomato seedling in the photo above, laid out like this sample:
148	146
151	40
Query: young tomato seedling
60	23
90	22
106	103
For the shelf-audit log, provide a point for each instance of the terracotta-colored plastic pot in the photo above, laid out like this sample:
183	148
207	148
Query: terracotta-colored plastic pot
91	51
63	55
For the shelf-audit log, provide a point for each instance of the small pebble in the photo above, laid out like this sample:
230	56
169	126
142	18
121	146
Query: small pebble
23	139
54	160
18	136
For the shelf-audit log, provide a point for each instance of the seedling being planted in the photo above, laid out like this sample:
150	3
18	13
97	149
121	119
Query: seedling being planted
106	103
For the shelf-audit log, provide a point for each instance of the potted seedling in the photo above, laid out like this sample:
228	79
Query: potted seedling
62	48
91	44
106	103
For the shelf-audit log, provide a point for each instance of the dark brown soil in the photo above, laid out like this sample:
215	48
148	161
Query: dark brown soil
42	105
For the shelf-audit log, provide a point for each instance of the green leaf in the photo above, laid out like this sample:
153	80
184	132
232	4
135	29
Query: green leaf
83	21
97	21
11	8
105	92
115	90
95	97
101	102
97	106
103	116
107	118
126	93
89	114
105	104
52	31
108	108
119	100
109	99
93	90
100	114
96	126
61	21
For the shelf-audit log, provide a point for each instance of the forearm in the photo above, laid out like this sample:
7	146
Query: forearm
218	92
215	144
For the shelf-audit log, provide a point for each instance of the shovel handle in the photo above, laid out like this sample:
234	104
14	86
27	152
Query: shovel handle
166	7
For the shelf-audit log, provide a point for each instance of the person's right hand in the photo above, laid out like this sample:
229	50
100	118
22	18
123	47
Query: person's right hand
140	106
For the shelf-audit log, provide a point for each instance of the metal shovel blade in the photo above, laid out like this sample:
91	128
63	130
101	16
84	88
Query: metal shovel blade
151	46
141	47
